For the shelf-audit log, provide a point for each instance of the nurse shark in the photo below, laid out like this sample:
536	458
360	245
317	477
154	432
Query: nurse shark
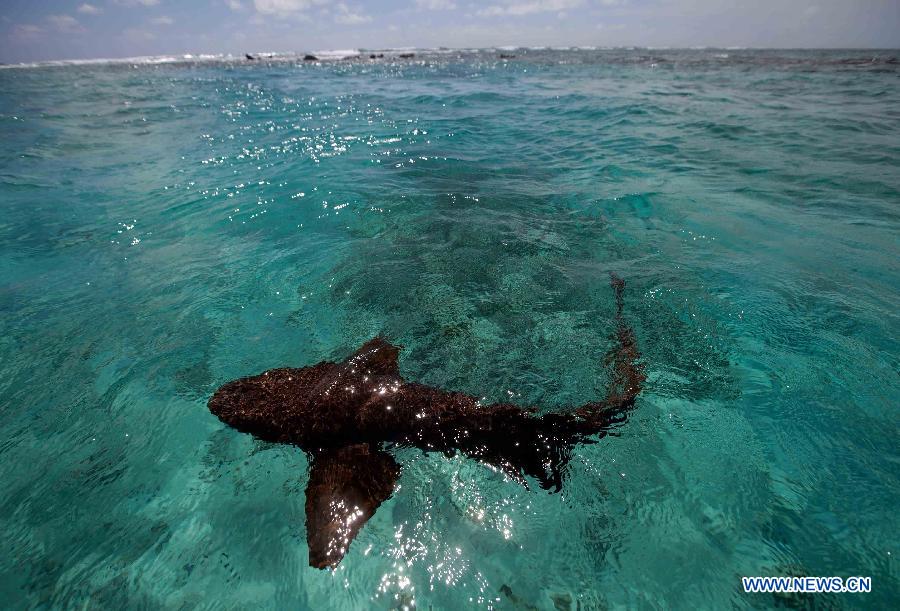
347	416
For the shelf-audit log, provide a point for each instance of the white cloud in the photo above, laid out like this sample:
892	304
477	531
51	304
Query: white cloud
164	20
284	7
89	9
27	31
518	8
350	16
234	5
436	5
65	23
136	2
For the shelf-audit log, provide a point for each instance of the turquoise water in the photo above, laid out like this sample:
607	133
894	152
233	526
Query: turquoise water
165	228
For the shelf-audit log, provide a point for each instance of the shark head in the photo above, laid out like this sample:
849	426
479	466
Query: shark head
268	405
307	405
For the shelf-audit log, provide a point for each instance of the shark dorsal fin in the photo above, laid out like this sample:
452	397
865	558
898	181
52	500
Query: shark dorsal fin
346	486
376	357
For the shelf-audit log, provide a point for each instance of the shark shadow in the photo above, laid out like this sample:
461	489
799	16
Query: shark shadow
345	415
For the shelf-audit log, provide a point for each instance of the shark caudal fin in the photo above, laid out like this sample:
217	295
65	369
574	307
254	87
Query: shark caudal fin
627	375
346	486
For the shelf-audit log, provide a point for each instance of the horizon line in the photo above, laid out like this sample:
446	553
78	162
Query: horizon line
338	54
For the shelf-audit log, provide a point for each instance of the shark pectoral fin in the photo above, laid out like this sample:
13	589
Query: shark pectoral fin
346	486
377	357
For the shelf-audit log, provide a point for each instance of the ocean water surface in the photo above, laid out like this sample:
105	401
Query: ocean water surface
166	227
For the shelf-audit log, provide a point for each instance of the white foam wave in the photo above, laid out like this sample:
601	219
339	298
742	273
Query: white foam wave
137	60
336	53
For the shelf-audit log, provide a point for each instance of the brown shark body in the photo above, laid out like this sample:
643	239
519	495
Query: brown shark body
345	414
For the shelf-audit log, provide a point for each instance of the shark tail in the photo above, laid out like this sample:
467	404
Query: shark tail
627	375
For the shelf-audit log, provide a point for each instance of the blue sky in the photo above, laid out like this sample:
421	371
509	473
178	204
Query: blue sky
58	29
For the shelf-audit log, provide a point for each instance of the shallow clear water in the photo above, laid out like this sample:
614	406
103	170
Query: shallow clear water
167	228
